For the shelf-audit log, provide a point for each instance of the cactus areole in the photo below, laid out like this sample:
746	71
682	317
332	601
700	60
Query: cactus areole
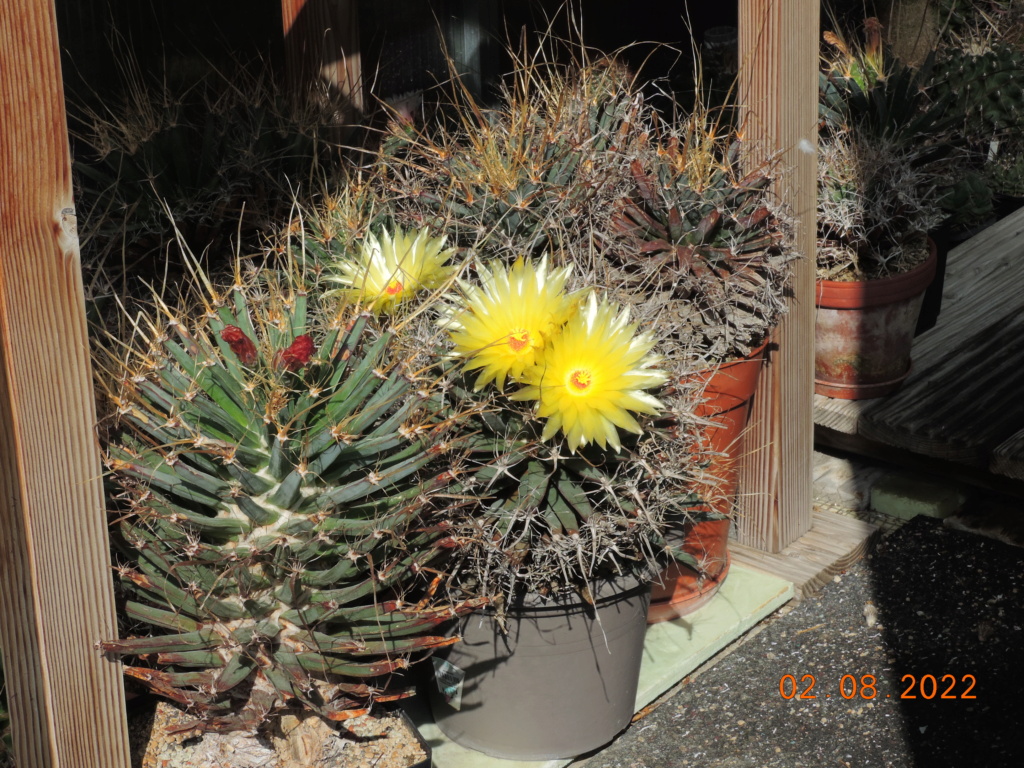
275	487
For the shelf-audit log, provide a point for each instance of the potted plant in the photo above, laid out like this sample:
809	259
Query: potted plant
698	244
531	174
880	180
695	246
558	527
279	471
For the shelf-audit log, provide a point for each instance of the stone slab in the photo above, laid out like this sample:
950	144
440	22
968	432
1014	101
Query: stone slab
906	495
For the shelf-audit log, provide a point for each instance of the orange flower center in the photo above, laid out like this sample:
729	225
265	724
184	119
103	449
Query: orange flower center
518	341
393	287
580	381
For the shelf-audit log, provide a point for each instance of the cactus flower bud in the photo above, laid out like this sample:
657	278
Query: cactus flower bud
240	344
296	355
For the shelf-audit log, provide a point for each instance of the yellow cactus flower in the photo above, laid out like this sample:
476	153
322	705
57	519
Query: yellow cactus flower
593	374
502	325
393	268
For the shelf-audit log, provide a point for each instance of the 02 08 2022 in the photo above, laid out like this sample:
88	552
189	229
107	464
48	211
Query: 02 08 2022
926	686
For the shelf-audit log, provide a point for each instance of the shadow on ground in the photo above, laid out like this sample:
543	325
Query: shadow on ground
930	603
951	606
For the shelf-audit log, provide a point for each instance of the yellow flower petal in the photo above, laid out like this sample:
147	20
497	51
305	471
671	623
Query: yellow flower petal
502	325
593	374
393	268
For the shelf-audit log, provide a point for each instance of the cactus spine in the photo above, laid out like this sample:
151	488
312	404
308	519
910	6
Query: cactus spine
277	480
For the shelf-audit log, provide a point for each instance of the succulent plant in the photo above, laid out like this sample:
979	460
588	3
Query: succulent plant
560	463
700	242
883	159
205	160
986	88
865	90
1005	171
278	480
877	200
968	201
527	176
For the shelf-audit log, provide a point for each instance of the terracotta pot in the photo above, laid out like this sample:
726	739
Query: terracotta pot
864	331
561	682
679	589
728	390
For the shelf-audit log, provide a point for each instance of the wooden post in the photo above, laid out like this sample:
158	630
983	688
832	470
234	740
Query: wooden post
66	700
321	41
778	89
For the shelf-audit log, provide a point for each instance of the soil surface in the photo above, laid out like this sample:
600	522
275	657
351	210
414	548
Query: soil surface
892	653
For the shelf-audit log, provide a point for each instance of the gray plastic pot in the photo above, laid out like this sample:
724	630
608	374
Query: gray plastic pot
561	682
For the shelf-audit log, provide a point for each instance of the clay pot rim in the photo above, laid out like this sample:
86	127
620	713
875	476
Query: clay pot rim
856	294
755	356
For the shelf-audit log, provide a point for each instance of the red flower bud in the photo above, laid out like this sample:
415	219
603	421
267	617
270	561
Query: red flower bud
297	355
240	344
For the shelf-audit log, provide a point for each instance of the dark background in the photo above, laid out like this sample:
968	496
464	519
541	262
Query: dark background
95	34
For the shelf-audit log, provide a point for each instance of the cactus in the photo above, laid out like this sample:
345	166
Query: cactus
570	488
696	231
866	90
877	200
1005	171
987	88
883	156
968	202
277	480
527	176
206	160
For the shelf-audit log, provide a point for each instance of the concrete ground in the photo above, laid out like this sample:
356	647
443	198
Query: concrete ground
913	658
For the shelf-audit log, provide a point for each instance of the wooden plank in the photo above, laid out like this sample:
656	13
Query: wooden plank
959	405
323	52
1008	458
840	415
982	276
778	89
833	544
67	701
973	475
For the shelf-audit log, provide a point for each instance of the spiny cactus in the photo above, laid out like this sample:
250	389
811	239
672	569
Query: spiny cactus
277	484
561	489
877	199
883	157
206	159
526	176
1005	172
968	202
986	88
866	90
697	235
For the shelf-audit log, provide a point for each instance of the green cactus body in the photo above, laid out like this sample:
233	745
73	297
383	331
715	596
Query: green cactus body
521	176
986	88
276	497
968	202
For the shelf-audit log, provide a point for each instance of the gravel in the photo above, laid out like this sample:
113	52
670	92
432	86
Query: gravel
934	613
